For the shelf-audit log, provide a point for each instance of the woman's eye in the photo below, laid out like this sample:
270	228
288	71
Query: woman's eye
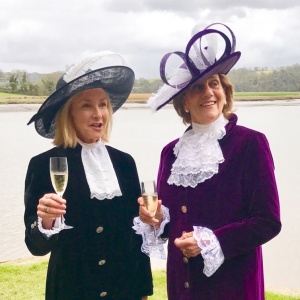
196	87
215	83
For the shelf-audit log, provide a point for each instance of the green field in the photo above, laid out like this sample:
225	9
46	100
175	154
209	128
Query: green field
266	95
27	282
6	98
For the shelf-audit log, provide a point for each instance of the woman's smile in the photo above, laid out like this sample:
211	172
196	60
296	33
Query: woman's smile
205	100
210	103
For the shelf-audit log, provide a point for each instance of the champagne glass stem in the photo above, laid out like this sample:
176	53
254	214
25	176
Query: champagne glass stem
155	234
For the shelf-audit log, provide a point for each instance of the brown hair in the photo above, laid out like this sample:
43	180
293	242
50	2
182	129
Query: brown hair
178	102
65	135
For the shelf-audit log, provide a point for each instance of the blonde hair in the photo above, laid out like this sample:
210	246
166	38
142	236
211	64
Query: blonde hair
178	102
65	134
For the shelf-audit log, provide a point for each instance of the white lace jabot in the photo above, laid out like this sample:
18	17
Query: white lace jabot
198	154
99	171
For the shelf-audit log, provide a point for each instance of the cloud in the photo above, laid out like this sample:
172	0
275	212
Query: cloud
195	5
47	36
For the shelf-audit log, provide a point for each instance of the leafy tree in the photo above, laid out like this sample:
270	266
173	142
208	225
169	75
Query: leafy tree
24	84
13	82
48	85
33	89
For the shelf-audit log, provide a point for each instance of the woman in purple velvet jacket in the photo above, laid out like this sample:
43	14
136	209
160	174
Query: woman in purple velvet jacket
219	200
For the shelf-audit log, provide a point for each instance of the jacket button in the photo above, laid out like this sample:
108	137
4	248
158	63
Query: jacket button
186	285
99	229
103	294
185	260
102	262
183	209
33	225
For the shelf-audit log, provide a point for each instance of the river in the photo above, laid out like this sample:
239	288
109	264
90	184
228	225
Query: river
143	134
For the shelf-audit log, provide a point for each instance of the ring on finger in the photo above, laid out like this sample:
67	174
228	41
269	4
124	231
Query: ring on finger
46	209
185	254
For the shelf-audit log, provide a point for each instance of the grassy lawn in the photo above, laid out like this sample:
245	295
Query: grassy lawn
266	96
6	98
27	282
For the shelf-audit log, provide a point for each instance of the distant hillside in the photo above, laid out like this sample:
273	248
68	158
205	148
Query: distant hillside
284	79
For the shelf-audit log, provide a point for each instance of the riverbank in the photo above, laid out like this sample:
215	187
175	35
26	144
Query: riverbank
143	97
33	107
156	264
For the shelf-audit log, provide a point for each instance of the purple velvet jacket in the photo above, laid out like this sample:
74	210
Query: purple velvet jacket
240	204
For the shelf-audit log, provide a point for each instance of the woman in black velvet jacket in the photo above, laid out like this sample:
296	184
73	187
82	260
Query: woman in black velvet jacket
97	254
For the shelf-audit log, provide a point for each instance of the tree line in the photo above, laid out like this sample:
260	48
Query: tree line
284	79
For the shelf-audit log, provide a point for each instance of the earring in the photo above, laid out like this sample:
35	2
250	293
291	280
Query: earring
187	111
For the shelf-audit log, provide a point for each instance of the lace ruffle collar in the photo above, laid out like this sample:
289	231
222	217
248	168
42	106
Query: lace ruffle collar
99	171
198	154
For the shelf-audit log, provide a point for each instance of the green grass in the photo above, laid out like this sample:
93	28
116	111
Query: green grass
159	282
6	98
273	296
263	94
266	95
27	282
6	95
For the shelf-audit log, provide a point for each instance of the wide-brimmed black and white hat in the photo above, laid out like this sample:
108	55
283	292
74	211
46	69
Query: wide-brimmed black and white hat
95	71
203	64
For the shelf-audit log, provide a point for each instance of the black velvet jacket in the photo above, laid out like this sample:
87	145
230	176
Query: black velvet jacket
100	258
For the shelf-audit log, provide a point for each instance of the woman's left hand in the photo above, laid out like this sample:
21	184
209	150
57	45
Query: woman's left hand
145	298
188	245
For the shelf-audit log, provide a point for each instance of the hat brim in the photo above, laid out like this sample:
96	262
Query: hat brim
222	66
117	81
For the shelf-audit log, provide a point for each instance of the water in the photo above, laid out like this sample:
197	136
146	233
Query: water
143	134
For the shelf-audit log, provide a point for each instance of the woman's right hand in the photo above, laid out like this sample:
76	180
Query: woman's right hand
50	207
149	218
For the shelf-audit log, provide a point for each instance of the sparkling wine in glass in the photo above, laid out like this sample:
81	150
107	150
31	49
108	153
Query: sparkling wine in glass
59	176
149	194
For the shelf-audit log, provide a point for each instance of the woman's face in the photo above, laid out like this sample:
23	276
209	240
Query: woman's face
90	115
205	100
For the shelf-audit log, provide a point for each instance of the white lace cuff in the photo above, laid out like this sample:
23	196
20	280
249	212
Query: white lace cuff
150	237
57	227
210	249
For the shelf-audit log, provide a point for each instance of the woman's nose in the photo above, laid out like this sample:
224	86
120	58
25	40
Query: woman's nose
97	112
208	91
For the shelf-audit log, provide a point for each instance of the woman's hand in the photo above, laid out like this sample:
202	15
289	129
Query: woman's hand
188	245
149	218
50	207
144	298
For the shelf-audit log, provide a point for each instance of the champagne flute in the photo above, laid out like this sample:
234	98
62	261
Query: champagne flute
149	194
59	176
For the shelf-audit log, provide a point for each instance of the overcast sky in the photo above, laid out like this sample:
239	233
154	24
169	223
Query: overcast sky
47	36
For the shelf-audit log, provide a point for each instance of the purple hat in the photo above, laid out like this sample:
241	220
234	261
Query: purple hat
95	71
202	66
